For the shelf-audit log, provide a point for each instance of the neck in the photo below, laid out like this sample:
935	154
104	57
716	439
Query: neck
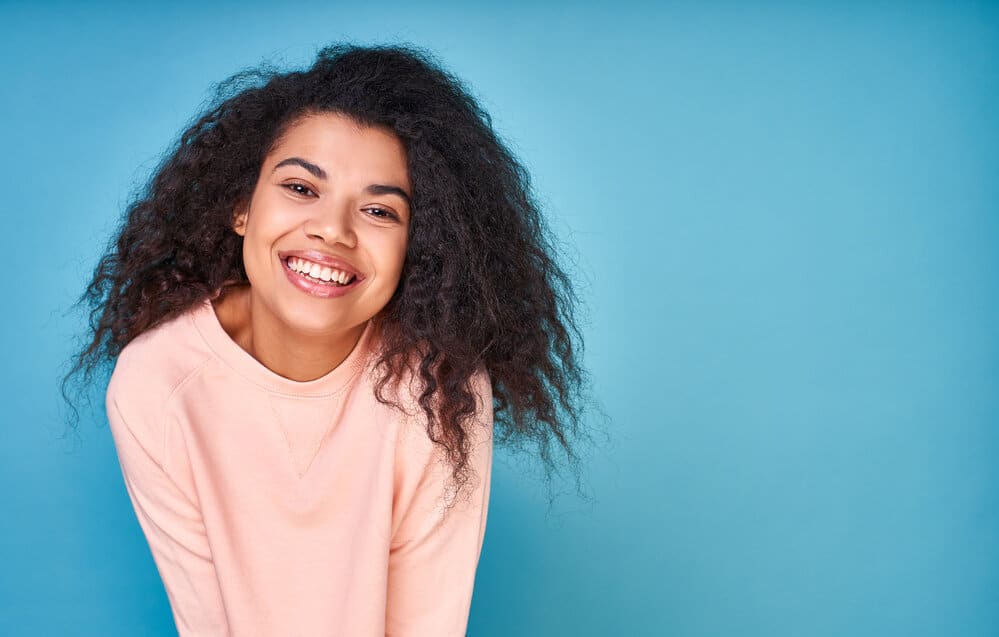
289	353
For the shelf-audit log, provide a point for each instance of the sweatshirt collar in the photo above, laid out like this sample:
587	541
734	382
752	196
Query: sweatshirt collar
207	323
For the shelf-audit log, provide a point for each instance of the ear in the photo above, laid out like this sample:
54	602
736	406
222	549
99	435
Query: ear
239	221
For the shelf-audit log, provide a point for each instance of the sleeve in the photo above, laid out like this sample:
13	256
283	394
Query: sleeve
433	559
173	527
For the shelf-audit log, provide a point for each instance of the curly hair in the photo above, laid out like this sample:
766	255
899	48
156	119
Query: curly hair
480	284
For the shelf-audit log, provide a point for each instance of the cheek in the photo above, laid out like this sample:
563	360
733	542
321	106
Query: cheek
267	223
387	251
255	244
398	256
259	261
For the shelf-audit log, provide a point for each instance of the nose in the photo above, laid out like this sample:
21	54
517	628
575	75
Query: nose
332	224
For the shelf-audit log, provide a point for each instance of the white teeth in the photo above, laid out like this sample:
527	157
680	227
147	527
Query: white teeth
317	271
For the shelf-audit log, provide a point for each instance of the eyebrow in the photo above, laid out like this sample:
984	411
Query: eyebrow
319	173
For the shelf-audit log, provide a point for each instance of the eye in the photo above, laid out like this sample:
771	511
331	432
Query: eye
382	213
304	189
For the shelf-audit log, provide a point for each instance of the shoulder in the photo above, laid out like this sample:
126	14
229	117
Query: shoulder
408	384
410	387
483	389
153	365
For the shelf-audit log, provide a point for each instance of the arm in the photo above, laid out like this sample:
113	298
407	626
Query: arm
173	527
432	562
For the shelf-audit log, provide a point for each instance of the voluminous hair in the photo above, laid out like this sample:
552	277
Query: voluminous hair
480	283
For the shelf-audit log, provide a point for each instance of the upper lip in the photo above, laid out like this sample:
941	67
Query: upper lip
323	259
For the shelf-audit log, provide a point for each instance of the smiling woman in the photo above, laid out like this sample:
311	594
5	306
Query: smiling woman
331	293
333	196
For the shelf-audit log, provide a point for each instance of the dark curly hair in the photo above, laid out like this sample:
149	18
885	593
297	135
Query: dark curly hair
479	282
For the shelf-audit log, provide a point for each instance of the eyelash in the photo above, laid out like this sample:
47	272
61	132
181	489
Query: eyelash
388	213
292	187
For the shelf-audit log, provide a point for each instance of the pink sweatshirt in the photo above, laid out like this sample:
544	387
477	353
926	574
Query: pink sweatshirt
283	508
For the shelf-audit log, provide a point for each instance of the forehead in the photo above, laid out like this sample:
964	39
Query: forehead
342	146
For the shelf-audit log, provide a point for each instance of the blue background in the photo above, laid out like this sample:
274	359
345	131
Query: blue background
782	218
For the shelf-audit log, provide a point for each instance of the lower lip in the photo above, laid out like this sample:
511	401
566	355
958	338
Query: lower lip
323	290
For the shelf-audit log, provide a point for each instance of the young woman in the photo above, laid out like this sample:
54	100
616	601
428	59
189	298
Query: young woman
313	310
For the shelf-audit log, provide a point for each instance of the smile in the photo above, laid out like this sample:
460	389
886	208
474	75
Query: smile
319	272
317	287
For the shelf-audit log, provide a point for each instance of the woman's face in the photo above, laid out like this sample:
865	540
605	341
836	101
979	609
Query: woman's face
331	189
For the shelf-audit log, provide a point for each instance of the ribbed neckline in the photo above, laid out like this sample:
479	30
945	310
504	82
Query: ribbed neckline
207	323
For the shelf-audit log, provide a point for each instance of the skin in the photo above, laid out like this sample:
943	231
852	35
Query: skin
294	334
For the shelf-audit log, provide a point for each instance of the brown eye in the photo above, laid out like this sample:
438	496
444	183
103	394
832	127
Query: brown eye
295	186
382	213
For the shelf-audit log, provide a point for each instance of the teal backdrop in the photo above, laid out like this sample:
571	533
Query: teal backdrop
783	218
